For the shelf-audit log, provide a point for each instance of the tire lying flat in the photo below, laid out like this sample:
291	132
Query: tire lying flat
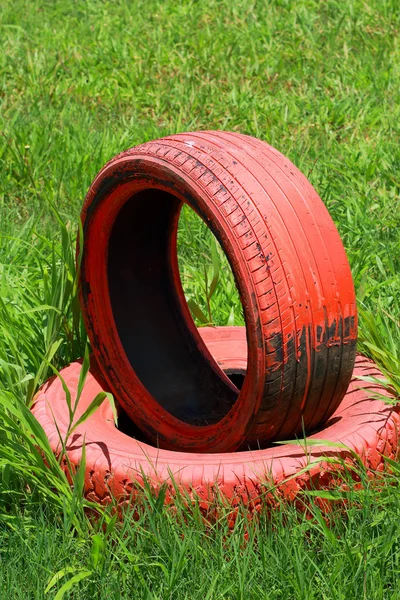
290	268
115	461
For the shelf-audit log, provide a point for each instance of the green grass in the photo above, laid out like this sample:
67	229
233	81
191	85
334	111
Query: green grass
79	82
290	557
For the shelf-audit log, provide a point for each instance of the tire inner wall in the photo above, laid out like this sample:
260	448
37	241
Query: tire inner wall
156	339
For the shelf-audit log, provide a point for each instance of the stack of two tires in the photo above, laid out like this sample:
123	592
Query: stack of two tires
179	384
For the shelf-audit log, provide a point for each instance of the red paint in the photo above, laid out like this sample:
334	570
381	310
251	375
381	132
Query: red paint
115	462
291	271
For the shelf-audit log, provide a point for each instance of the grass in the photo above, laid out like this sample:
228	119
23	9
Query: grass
291	557
80	81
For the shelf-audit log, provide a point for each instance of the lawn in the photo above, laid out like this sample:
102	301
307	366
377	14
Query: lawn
82	80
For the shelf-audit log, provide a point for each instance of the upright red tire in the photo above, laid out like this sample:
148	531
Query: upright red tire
290	268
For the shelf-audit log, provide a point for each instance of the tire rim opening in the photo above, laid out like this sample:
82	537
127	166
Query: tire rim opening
206	275
159	339
127	426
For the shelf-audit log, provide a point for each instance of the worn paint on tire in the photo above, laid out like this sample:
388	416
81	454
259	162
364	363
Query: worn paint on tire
290	268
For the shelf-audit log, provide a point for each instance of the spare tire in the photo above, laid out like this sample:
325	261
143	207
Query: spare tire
290	269
115	463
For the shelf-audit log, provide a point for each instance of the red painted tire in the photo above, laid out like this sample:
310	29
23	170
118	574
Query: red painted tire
290	268
115	461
